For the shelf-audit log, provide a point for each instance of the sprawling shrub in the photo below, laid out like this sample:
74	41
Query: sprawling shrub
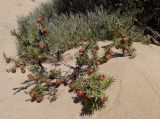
44	35
83	78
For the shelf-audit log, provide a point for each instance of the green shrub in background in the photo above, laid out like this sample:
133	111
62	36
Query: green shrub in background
146	11
66	30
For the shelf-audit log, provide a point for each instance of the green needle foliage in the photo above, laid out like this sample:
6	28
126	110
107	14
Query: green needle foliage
66	30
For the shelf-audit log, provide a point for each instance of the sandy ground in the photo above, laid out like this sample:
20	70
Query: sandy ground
134	95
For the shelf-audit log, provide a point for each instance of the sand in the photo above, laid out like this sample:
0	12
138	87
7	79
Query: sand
135	94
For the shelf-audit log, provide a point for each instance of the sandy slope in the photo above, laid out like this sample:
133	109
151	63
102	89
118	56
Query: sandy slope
134	95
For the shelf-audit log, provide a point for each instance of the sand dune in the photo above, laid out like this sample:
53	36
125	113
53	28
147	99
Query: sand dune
134	95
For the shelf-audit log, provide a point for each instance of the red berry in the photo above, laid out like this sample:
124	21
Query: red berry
97	62
101	77
90	71
81	52
58	82
71	86
80	93
33	94
18	65
125	40
41	46
14	70
48	81
8	60
88	97
38	99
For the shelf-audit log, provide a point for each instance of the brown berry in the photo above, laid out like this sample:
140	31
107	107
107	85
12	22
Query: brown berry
125	40
81	51
109	51
97	62
33	94
88	97
45	30
107	57
18	65
104	98
101	77
80	93
14	70
90	71
8	60
58	82
23	70
96	47
71	86
38	99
